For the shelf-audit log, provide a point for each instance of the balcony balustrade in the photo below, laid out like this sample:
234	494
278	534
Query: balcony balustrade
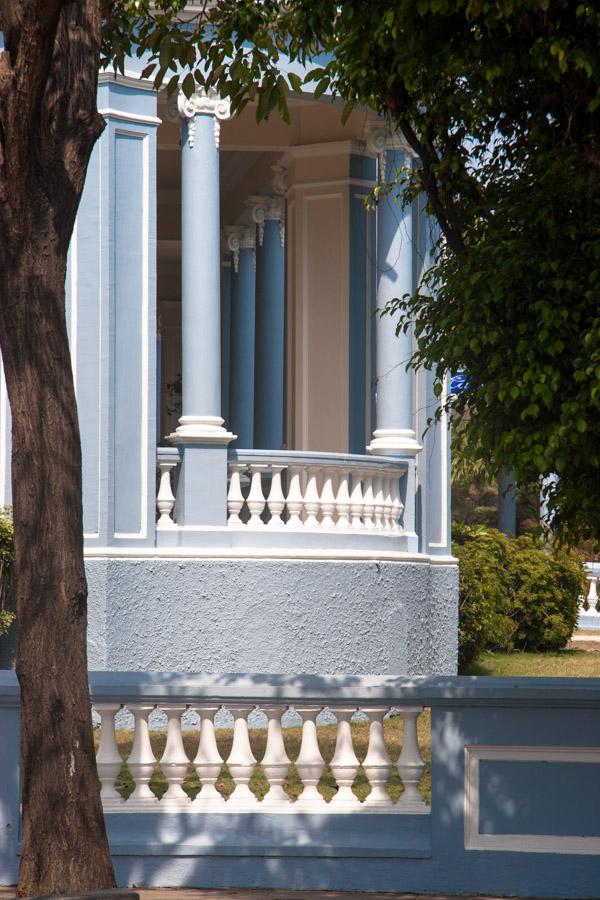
312	500
275	763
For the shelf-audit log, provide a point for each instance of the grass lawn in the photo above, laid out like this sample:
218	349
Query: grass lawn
563	663
292	736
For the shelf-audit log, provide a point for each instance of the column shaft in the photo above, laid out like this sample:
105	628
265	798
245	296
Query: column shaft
200	274
243	309
270	335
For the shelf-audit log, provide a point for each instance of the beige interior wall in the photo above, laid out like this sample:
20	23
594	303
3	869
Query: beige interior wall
318	300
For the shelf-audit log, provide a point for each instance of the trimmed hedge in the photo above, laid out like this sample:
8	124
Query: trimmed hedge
514	593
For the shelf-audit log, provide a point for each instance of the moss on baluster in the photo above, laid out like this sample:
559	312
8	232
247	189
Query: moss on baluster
393	729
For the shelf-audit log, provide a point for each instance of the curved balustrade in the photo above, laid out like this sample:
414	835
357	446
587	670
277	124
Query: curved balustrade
314	500
275	763
315	491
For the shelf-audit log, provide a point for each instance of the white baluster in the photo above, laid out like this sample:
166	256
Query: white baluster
377	763
208	761
378	502
356	501
592	597
344	763
235	497
141	761
276	762
386	484
174	762
327	500
276	500
108	758
368	510
256	499
295	497
165	499
397	507
410	763
311	498
342	502
310	763
241	761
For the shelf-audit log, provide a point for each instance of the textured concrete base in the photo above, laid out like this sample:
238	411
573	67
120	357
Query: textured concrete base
265	616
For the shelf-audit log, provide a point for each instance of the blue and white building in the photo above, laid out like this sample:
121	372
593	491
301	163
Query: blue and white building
286	510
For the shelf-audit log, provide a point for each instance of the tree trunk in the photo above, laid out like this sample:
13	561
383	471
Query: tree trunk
48	126
64	839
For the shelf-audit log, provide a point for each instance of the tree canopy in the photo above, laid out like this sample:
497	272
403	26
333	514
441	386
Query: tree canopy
500	102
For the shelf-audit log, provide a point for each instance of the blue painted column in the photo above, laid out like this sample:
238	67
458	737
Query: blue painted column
507	504
395	431
226	269
241	240
200	435
269	215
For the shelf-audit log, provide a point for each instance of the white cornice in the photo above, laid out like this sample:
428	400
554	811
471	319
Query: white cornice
130	79
129	117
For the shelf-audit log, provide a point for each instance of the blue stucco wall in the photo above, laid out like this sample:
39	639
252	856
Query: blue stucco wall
193	615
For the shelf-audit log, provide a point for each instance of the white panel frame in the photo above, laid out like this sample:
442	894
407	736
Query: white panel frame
521	843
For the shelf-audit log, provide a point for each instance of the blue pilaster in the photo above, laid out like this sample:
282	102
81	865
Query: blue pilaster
395	431
111	317
433	464
242	242
269	214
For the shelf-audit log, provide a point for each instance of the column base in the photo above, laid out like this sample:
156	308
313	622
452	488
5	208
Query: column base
399	441
201	430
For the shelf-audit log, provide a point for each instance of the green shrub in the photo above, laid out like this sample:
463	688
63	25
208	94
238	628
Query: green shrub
7	556
484	591
546	590
513	593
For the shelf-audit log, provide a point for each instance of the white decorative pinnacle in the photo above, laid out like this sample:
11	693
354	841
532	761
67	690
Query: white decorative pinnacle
267	209
200	103
381	138
240	237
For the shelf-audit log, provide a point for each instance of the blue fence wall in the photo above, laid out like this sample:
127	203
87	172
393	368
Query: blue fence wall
515	795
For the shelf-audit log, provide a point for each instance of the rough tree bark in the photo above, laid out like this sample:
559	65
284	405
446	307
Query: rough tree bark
48	125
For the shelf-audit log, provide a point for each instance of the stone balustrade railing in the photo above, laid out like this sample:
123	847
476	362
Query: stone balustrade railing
346	500
275	763
315	490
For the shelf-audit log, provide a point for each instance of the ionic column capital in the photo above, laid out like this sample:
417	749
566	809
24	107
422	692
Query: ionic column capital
237	238
202	102
380	138
267	209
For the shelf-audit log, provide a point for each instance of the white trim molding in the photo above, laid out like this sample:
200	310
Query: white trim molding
522	843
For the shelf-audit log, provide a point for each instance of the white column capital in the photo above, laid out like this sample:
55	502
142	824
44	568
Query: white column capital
237	238
261	209
202	102
380	138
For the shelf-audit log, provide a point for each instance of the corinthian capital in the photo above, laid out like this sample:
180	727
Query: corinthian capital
267	209
380	138
205	103
240	237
